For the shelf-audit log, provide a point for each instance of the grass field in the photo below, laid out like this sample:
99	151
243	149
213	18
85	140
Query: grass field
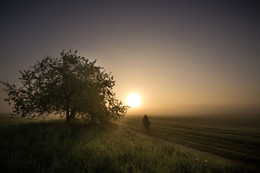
235	138
54	146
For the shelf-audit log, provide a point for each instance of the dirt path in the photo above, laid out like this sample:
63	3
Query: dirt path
186	147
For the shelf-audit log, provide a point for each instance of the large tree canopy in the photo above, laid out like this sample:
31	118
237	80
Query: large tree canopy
70	85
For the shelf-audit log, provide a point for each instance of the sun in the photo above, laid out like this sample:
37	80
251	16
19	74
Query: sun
133	100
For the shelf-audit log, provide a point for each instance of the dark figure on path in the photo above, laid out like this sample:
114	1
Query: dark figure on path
146	122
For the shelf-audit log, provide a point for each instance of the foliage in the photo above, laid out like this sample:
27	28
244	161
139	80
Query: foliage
70	85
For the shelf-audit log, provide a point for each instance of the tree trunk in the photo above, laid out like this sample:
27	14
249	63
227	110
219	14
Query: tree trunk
70	115
67	116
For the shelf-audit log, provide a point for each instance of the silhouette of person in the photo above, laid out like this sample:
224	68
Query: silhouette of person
146	122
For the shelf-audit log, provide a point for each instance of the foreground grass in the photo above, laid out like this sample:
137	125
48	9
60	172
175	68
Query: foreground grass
58	147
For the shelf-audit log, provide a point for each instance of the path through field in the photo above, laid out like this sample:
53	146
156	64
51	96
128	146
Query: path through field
234	140
186	147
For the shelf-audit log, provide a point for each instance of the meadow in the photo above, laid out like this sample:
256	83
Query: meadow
234	138
55	146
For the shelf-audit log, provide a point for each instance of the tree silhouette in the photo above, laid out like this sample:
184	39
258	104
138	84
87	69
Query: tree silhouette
70	85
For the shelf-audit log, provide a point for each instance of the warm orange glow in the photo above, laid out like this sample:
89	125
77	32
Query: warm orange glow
133	100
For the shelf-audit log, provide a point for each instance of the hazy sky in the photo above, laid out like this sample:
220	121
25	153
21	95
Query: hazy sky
181	57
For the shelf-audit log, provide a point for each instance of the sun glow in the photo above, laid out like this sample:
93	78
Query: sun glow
133	100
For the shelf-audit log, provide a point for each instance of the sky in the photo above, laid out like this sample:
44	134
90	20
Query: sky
180	57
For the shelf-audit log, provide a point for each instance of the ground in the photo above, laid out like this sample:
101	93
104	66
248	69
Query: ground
54	146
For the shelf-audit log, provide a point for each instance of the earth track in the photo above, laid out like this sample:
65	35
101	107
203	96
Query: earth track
163	140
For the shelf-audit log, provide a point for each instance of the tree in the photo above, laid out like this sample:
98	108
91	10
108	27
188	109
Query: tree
70	85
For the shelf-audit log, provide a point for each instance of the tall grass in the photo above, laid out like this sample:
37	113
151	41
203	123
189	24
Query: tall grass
55	146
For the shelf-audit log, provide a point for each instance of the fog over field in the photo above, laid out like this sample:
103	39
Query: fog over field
130	86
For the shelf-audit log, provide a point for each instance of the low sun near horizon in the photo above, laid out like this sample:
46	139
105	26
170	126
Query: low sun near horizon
133	100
